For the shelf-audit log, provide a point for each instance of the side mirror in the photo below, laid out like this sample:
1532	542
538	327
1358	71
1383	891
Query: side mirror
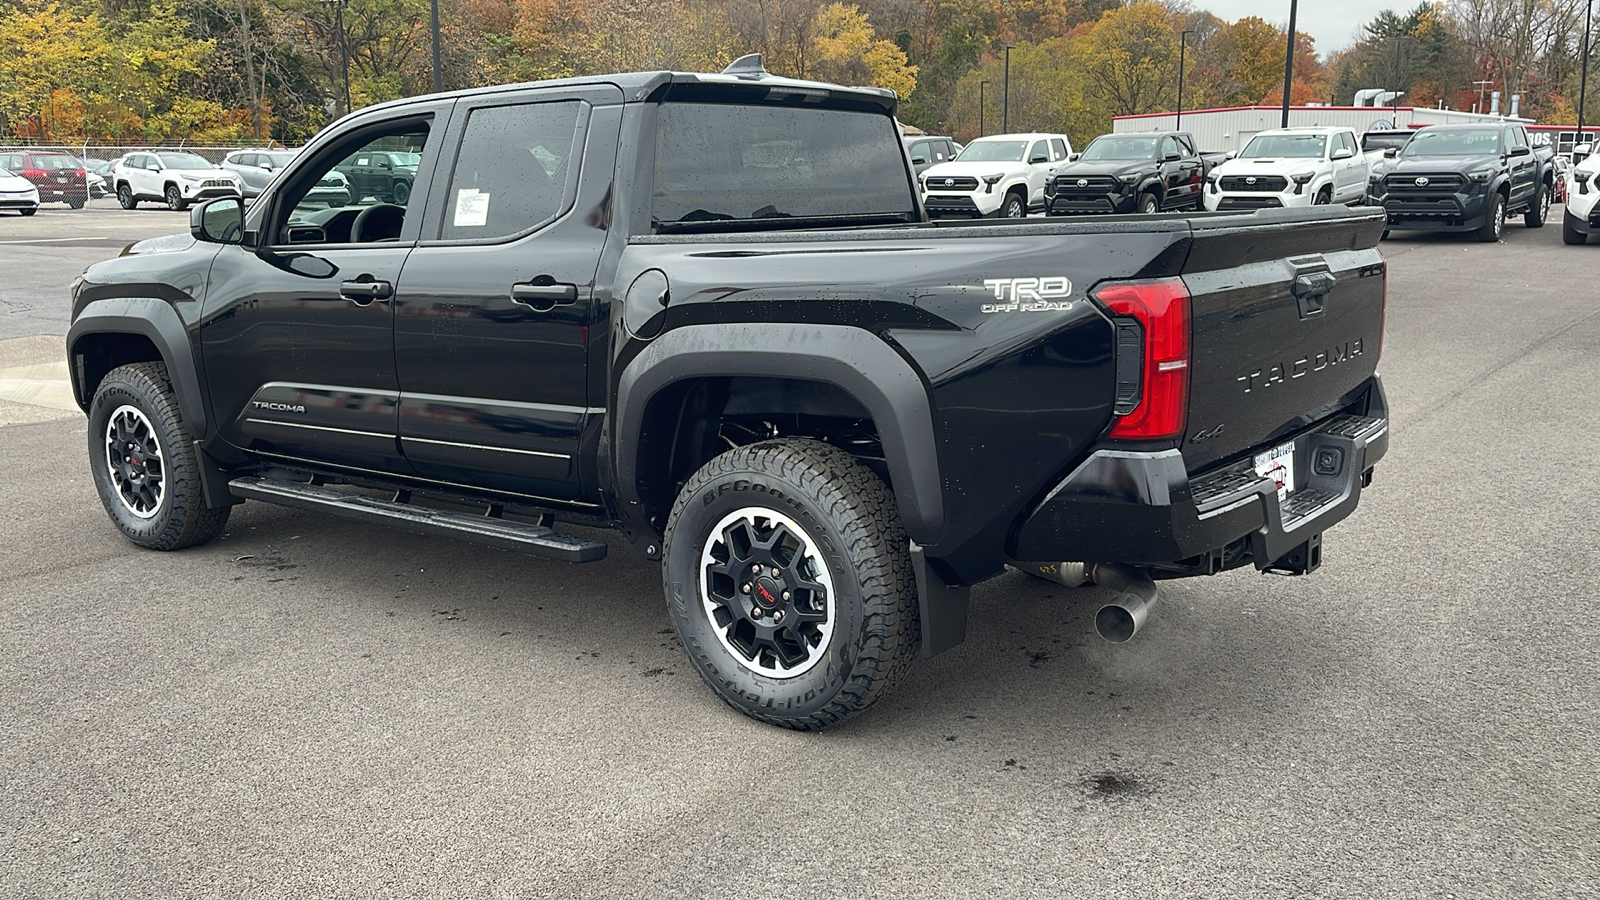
1232	154
1041	158
1074	157
153	167
919	161
1521	151
219	221
1342	153
1171	157
267	166
1391	152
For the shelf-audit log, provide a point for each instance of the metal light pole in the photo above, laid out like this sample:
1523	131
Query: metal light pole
1005	104
1288	61
1583	80
1394	102
981	86
344	51
1183	38
438	76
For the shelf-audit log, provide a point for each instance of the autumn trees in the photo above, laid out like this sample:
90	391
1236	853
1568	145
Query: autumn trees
140	71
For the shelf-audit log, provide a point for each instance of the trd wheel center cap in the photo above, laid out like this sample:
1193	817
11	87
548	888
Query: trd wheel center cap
767	592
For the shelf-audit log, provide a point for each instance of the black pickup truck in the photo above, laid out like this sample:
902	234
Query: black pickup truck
626	302
1466	178
1125	173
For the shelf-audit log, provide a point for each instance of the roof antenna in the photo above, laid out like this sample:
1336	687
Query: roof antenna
747	66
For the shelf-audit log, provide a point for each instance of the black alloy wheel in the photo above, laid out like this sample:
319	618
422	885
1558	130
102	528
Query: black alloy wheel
401	192
789	583
175	201
1539	212
1494	220
125	196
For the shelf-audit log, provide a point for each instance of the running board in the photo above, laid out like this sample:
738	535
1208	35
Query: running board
523	537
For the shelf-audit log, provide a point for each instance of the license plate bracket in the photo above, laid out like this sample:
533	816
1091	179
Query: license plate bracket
1278	465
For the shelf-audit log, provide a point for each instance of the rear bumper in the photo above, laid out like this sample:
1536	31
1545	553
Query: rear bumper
1144	508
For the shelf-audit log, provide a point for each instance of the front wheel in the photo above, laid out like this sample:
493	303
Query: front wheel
788	580
144	464
125	196
1494	220
76	204
1539	212
1014	208
1569	230
401	193
1324	197
1149	205
175	201
30	211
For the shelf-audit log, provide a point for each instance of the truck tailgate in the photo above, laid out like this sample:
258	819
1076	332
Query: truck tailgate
1287	321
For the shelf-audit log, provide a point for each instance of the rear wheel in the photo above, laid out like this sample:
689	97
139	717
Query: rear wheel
1539	212
1569	230
788	580
175	201
144	464
1494	221
125	197
75	204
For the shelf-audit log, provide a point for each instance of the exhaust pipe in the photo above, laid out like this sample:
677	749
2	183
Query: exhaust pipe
1119	620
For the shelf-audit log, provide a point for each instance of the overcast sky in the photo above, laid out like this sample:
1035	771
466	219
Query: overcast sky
1334	23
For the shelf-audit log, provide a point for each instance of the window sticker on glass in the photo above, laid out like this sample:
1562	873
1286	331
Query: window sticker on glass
472	208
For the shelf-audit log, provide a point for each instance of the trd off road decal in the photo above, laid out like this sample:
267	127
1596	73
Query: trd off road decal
1045	294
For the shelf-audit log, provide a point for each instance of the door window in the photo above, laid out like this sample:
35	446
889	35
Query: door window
1058	149
376	210
920	150
510	175
1040	148
1169	147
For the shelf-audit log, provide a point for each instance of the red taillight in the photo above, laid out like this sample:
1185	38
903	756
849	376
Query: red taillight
1161	310
35	174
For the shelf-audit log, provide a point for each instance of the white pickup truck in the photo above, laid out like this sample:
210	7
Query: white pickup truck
998	176
1292	167
1583	202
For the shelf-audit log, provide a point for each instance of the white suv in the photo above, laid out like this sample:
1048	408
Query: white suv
1291	167
1583	202
1003	175
174	177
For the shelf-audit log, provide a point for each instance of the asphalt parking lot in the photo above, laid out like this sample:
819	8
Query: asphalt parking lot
310	707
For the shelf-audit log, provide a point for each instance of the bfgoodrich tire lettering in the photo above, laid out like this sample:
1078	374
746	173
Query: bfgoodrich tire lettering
135	427
845	516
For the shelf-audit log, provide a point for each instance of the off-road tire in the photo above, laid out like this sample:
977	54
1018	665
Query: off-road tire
1539	212
182	518
1569	230
125	197
175	201
1149	204
1494	219
849	513
1324	197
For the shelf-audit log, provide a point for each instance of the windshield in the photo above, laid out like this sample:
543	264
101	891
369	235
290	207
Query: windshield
720	163
1484	142
1385	140
6	173
408	160
183	161
993	151
1120	148
1284	146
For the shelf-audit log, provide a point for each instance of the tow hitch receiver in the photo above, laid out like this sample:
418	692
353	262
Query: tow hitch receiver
1302	560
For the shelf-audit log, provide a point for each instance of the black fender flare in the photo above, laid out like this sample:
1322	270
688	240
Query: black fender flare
851	359
1153	184
157	321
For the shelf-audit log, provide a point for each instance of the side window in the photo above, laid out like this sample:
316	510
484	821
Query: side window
944	151
1058	149
920	150
374	212
1039	149
510	174
1187	144
1519	138
1350	142
1169	147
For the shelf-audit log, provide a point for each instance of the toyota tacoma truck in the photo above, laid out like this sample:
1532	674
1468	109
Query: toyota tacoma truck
1000	176
824	416
1289	167
1467	178
1126	173
1581	216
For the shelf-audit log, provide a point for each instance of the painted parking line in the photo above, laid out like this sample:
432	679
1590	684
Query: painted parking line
63	240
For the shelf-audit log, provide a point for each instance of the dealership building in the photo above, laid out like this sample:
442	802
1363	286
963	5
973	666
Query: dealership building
1219	130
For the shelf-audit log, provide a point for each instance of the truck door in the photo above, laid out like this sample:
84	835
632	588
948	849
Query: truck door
1180	175
298	331
498	308
1523	165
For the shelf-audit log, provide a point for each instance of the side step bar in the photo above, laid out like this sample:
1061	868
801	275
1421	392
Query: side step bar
538	540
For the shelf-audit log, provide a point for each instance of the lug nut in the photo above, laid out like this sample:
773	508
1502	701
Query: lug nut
788	595
755	612
777	616
744	588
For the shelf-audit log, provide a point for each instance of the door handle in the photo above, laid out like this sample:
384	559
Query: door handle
544	297
364	292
